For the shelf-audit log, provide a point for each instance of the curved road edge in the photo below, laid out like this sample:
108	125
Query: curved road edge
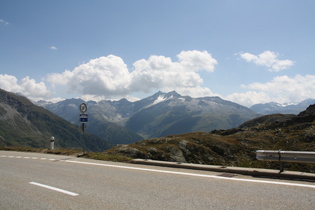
256	172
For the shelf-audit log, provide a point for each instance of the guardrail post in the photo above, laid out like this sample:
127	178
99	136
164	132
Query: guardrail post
281	163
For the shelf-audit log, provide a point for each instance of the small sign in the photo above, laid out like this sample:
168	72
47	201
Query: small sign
83	118
83	108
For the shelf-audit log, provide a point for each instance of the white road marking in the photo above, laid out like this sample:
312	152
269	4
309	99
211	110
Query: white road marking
34	158
54	188
174	172
193	174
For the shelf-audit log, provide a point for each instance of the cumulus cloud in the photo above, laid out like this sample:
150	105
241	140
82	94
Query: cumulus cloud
3	22
268	59
9	83
110	77
28	87
281	89
249	98
197	60
53	48
104	76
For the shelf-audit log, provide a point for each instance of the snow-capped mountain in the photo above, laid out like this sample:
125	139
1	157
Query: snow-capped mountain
171	113
157	115
273	107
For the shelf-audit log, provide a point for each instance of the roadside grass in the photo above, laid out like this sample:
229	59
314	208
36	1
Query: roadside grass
107	157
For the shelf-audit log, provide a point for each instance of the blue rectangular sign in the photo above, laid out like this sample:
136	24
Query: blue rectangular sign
83	118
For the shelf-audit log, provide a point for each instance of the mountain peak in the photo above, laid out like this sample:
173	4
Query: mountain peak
167	95
173	93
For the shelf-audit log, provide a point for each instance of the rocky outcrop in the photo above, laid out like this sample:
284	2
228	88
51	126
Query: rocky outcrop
233	147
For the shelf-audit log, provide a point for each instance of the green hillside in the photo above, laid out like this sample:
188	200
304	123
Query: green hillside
24	124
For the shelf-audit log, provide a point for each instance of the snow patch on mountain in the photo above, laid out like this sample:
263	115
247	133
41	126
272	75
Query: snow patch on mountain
160	99
73	106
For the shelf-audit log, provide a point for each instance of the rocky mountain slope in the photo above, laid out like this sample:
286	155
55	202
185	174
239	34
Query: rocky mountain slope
158	115
24	124
171	113
102	120
233	147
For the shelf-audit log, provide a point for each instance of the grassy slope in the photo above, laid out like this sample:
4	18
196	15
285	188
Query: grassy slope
24	124
232	147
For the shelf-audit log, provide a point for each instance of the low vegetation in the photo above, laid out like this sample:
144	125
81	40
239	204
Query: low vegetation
233	147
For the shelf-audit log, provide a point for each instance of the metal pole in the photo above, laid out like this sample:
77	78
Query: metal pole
281	163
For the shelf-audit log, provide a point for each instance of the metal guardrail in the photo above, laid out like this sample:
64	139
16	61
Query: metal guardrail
285	156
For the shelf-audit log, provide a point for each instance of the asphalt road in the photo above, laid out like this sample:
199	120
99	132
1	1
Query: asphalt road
42	181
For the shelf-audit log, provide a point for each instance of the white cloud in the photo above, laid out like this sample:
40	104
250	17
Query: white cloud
110	77
53	48
268	59
197	60
55	100
281	89
36	90
249	98
104	76
9	83
28	87
4	22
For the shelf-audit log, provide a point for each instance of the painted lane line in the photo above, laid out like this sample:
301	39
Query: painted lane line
193	174
34	158
173	172
54	188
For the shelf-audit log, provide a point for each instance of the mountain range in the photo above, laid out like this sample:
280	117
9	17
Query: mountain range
161	114
102	120
233	147
23	123
273	107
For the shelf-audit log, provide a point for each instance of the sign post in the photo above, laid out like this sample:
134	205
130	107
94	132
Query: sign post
83	116
52	143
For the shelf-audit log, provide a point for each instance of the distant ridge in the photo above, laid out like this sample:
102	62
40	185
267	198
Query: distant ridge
274	108
157	115
102	119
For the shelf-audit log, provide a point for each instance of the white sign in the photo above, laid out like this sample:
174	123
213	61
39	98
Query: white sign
83	107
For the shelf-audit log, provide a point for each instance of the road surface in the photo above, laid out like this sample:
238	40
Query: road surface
43	181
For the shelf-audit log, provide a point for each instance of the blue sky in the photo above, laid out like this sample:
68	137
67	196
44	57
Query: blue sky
245	51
